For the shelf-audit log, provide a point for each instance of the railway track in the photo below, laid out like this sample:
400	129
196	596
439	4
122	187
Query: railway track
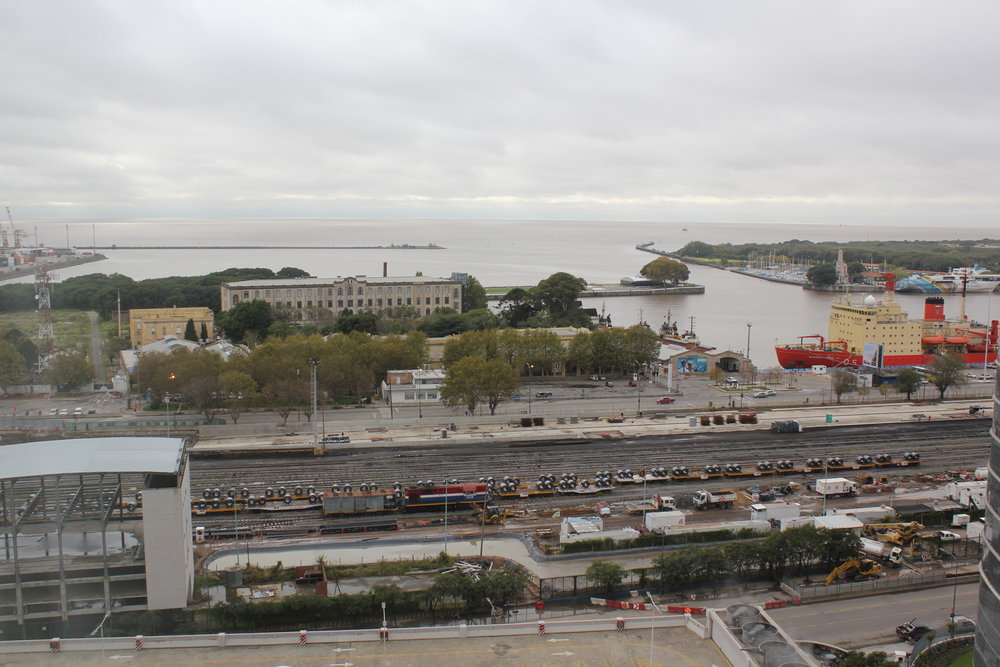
942	445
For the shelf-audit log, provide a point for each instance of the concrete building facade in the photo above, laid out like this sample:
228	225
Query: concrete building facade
306	297
987	651
71	559
148	325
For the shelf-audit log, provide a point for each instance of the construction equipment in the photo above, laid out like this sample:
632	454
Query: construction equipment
902	534
884	550
495	514
855	568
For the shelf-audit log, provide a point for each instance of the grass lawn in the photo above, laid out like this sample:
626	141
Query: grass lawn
71	328
504	290
962	661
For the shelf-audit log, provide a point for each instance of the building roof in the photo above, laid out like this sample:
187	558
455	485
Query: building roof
313	282
92	455
838	522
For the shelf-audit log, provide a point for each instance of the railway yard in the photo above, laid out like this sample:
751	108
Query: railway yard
279	490
932	447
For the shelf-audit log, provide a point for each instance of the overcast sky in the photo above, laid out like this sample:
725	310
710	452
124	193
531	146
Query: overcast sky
847	111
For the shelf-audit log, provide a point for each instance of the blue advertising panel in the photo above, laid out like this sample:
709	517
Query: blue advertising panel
692	365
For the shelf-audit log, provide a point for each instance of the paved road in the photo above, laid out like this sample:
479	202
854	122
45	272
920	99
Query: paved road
871	621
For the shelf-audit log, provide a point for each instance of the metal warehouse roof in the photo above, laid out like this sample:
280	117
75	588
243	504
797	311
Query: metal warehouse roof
92	455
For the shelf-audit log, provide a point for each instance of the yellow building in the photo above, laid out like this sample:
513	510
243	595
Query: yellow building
147	325
874	320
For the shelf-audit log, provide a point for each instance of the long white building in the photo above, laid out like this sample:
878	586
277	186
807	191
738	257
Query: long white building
305	297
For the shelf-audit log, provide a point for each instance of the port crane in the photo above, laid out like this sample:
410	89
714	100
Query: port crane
13	232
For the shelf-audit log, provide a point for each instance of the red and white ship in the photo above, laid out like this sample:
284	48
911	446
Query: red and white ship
877	332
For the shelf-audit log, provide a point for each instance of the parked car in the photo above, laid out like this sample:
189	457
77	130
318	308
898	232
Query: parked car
963	625
78	410
948	536
598	378
985	376
64	411
543	394
609	384
516	397
766	393
666	400
53	411
732	380
971	375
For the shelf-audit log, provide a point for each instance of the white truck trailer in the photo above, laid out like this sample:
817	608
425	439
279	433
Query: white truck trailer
655	522
836	486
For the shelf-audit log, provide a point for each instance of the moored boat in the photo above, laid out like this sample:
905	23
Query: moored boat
876	332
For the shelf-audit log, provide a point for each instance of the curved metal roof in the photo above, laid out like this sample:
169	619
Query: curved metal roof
92	455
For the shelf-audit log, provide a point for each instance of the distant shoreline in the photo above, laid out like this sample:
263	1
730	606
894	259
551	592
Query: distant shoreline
432	246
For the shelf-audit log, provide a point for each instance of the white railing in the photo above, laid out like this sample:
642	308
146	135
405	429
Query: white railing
221	640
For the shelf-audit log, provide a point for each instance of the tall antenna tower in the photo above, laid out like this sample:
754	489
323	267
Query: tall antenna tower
43	304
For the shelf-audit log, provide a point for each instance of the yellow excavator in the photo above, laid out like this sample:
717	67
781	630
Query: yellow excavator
495	514
901	534
855	568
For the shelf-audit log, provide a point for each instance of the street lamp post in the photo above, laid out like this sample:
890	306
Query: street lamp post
446	515
749	363
529	367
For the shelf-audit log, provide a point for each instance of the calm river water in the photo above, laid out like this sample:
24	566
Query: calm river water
512	253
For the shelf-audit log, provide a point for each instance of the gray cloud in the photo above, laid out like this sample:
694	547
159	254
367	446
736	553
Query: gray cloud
850	111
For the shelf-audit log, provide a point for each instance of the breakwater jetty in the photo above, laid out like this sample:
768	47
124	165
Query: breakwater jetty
621	290
23	270
393	246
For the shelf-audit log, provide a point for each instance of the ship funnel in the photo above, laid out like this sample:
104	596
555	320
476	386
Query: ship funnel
934	308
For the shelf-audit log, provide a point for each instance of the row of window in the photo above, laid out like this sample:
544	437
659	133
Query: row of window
360	303
308	293
424	396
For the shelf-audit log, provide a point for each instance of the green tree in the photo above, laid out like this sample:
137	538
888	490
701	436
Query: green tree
822	274
238	388
292	272
204	332
12	364
664	269
473	381
246	322
946	371
503	586
908	381
69	370
483	344
348	322
855	271
517	306
473	295
189	331
843	382
607	576
558	294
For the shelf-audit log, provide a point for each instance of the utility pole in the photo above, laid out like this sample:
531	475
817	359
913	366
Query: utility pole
314	363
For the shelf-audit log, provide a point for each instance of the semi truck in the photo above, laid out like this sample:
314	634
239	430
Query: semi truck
832	487
657	503
704	499
887	552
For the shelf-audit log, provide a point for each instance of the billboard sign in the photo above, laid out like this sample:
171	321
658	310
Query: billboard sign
871	355
692	365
